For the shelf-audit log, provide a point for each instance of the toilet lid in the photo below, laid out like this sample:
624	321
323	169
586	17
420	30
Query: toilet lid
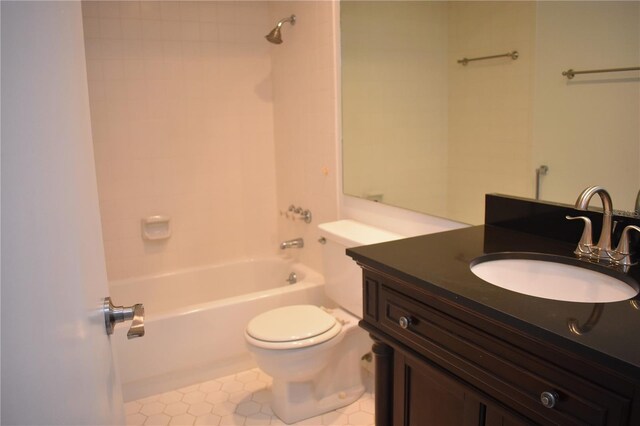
290	323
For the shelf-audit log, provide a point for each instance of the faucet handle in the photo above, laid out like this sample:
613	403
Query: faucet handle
621	255
585	244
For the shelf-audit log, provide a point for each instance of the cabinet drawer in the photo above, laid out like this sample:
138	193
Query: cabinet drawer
506	373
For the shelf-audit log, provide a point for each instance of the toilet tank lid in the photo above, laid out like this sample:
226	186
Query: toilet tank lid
351	233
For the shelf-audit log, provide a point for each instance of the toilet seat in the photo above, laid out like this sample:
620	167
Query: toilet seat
292	327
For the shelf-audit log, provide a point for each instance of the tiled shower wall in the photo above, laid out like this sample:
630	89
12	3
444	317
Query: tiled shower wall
197	117
182	115
304	86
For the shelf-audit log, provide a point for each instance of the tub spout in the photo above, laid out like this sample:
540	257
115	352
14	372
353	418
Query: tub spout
297	243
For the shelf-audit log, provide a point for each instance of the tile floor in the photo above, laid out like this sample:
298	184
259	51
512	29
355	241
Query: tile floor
238	399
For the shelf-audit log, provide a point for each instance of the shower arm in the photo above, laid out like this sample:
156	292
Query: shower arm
291	19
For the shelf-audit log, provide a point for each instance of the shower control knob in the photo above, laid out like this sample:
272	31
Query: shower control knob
549	399
404	322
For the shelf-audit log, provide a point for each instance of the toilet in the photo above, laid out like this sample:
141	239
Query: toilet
313	353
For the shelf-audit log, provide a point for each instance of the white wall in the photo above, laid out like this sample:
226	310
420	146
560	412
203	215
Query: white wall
182	114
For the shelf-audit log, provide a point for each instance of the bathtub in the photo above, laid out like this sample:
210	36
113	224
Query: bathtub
195	320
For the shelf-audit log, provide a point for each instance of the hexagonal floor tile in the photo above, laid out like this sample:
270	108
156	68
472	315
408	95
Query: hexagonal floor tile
238	399
361	418
170	397
248	408
132	407
135	419
208	420
158	420
200	408
194	396
176	408
217	396
182	420
151	408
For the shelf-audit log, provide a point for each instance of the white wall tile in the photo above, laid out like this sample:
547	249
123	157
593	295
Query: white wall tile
171	137
304	118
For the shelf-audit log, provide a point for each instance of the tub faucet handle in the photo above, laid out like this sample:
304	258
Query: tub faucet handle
115	314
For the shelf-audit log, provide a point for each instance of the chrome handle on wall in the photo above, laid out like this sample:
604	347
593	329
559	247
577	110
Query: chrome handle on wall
115	314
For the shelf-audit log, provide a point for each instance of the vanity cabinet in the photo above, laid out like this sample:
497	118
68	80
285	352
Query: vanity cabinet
441	363
432	396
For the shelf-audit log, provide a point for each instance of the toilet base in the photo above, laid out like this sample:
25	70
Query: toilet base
317	379
295	401
339	384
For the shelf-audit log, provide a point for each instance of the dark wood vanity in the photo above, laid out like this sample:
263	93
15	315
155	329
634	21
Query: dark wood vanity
451	349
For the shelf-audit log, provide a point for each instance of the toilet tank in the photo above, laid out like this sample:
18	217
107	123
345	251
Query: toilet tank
343	277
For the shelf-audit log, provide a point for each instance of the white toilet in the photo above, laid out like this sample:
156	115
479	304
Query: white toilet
313	353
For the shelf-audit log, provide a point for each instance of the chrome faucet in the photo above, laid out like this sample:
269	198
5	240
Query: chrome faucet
297	243
622	255
293	278
603	248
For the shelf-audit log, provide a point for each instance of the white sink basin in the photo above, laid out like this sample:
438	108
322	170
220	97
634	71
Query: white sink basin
553	280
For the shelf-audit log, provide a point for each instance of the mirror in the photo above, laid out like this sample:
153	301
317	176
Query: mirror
424	131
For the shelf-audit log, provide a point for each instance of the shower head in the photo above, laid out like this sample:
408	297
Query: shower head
275	35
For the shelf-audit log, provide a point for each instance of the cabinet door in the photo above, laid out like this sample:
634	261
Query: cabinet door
496	416
424	395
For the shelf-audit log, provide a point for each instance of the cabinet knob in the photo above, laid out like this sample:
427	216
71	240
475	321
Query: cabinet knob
549	399
404	322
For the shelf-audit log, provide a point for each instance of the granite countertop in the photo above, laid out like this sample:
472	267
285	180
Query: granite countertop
439	263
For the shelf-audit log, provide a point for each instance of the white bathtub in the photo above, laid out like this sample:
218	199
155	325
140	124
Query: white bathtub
195	320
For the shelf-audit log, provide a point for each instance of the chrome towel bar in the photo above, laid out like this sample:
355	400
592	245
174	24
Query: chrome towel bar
513	55
571	73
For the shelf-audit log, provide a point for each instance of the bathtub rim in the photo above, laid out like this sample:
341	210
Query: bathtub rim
312	278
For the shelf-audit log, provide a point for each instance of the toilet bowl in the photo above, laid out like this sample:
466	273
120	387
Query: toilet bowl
293	343
314	353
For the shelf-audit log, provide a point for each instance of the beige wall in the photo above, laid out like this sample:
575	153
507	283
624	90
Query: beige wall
505	118
394	101
489	104
587	129
183	124
424	131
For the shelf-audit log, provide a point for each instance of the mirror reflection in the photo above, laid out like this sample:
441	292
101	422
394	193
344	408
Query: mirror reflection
427	131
